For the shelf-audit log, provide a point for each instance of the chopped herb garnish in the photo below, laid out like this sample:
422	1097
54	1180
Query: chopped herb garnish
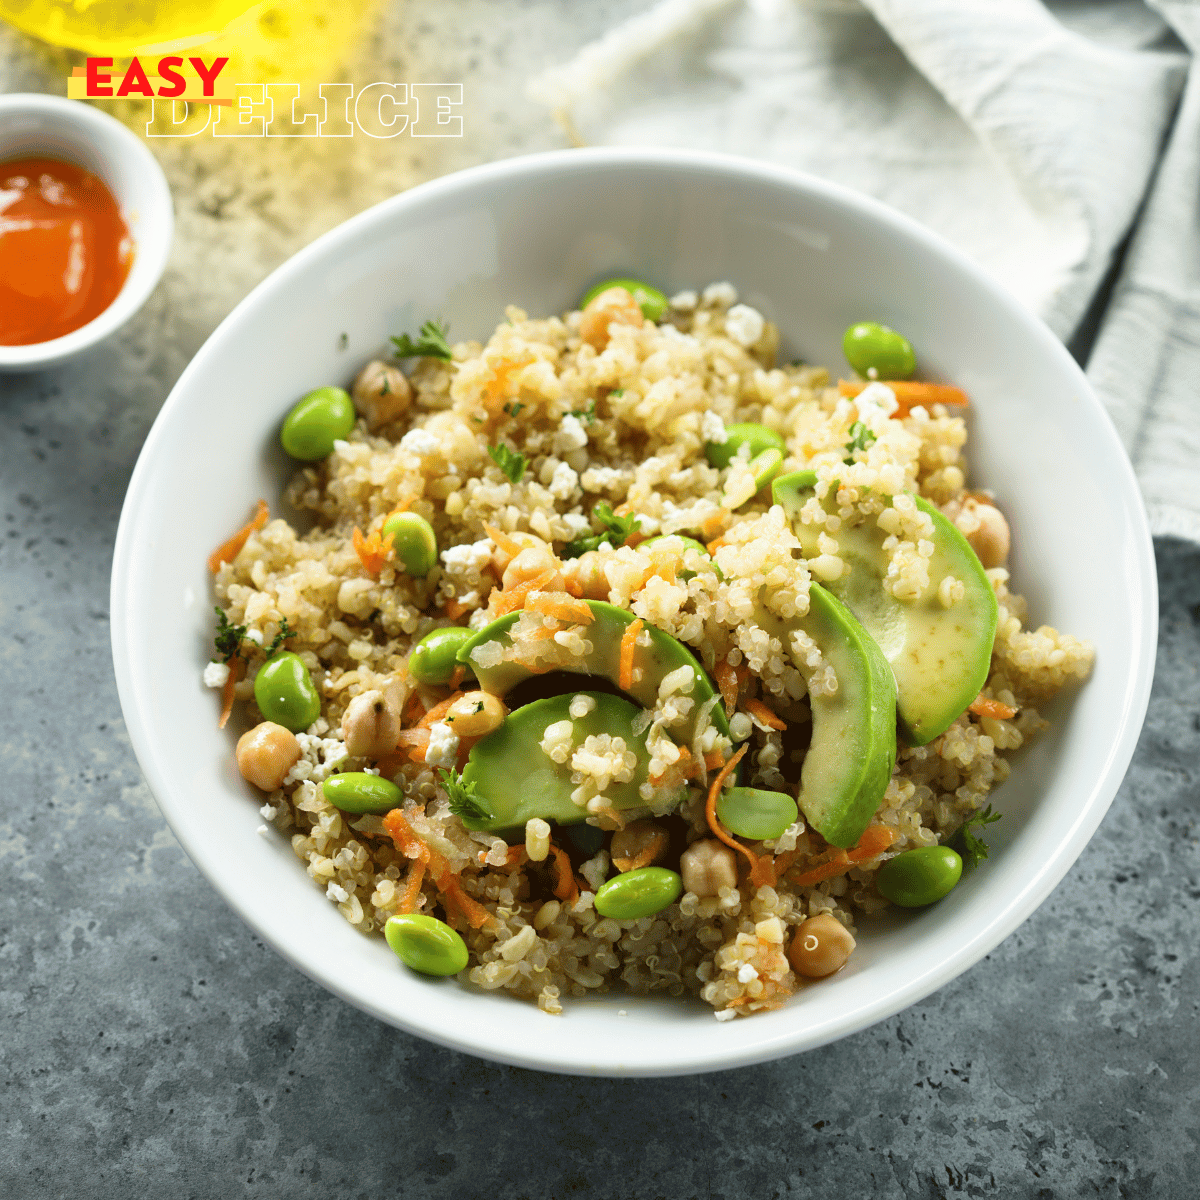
860	438
513	407
587	414
430	344
278	640
974	848
228	640
617	531
509	461
463	800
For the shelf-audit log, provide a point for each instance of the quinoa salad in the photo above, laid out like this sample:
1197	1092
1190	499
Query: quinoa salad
619	656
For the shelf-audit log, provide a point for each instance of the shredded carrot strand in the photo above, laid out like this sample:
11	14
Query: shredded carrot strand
756	708
560	605
713	760
412	889
417	736
370	551
910	393
760	868
228	550
874	841
498	385
565	887
513	598
728	683
713	525
716	544
503	541
684	767
453	608
452	889
658	843
628	641
517	856
985	706
457	676
236	666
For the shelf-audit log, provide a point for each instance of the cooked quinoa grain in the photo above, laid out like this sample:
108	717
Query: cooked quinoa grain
607	415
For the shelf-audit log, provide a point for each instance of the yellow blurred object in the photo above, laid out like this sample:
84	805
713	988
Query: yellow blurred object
122	27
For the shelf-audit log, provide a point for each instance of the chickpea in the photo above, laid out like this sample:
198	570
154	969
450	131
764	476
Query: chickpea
501	558
614	306
370	727
984	527
820	947
708	866
381	393
266	753
639	844
587	573
529	564
475	713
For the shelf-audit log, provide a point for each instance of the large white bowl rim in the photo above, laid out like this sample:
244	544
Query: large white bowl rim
1054	801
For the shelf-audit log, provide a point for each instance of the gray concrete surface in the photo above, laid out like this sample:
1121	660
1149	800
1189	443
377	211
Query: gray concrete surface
151	1046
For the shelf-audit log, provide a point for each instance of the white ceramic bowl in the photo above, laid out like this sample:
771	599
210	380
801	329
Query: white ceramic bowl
534	231
32	124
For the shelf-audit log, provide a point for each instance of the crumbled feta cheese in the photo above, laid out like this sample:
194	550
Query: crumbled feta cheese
684	301
442	750
720	295
598	479
875	397
470	556
744	324
712	428
336	892
255	636
417	441
268	812
577	523
725	1014
263	831
746	973
564	482
479	618
571	435
215	674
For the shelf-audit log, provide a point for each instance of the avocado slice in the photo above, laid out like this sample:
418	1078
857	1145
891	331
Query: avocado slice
853	748
940	656
664	655
515	780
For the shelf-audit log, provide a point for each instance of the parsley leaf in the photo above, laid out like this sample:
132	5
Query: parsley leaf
974	847
616	531
860	438
509	461
513	407
430	344
587	414
228	640
463	800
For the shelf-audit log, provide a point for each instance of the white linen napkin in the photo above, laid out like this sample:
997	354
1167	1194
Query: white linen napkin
1028	135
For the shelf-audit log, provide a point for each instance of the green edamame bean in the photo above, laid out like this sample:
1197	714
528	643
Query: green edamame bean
919	877
285	693
649	299
414	541
435	656
758	437
316	422
753	813
359	792
870	345
765	466
638	893
426	944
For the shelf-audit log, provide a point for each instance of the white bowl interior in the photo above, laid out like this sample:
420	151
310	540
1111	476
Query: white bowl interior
54	127
535	232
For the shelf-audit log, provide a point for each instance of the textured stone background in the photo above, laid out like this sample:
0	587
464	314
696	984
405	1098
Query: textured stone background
152	1046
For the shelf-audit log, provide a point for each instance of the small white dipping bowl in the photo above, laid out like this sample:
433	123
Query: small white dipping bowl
536	232
32	125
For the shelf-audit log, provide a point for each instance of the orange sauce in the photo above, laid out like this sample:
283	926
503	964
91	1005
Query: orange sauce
64	249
